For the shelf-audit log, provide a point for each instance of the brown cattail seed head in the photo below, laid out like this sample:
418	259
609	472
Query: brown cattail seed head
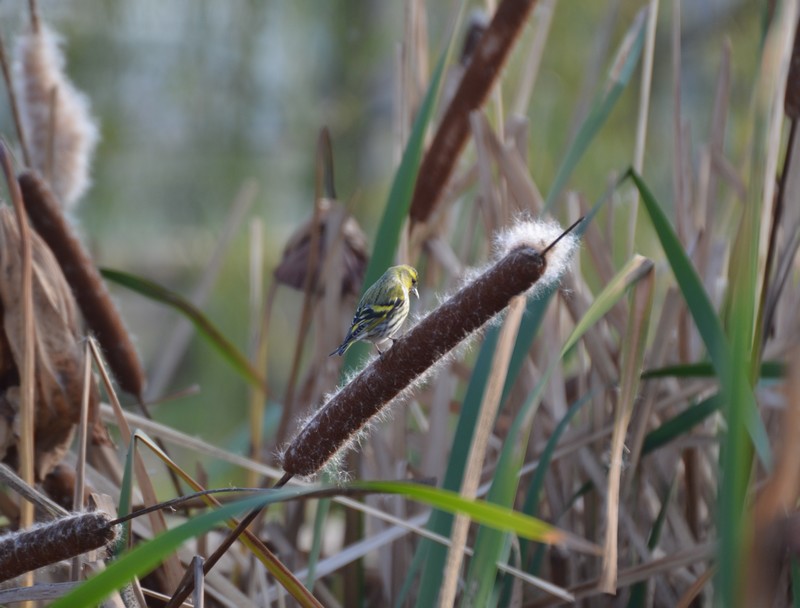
90	292
339	421
51	543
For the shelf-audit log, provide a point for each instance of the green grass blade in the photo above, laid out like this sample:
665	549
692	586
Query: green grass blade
125	493
323	508
204	326
707	322
496	516
631	273
770	370
681	424
639	590
620	74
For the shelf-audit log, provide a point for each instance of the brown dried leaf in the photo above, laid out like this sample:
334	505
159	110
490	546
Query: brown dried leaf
59	359
294	263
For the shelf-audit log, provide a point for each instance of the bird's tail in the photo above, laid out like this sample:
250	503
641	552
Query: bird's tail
342	349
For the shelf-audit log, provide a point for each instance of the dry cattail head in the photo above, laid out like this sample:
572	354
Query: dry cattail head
59	129
50	543
482	71
90	292
521	269
294	263
59	356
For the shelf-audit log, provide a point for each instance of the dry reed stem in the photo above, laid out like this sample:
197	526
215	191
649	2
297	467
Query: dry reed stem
644	112
27	369
777	498
688	598
696	554
14	104
324	168
198	597
259	327
83	433
678	148
46	505
339	421
53	542
158	523
482	72
544	17
90	292
515	172
708	171
477	452
630	369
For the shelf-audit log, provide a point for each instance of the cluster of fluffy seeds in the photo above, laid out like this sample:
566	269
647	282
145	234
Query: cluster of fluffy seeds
59	128
538	234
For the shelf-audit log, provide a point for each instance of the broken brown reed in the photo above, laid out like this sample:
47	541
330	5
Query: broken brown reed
13	104
338	423
791	100
53	542
90	292
483	71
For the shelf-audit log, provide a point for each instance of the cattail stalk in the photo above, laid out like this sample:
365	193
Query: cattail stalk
64	538
341	419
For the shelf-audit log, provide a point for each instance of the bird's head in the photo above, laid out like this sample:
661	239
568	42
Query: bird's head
408	276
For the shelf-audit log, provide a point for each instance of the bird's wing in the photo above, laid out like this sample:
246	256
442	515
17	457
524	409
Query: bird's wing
369	316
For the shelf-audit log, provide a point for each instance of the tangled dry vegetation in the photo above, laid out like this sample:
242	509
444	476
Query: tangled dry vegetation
646	409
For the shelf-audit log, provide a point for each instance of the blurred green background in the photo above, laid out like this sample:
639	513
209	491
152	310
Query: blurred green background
196	97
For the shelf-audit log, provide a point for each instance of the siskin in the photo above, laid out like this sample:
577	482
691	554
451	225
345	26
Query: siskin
382	310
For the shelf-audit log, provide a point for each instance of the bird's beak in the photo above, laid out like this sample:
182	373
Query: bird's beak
415	292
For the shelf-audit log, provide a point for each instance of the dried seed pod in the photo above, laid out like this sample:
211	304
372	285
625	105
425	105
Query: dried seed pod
58	125
338	423
59	357
64	538
90	292
294	263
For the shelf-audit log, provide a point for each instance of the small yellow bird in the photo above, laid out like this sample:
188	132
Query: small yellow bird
382	310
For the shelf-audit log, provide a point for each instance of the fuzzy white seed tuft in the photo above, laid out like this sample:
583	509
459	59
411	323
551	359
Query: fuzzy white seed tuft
539	234
56	118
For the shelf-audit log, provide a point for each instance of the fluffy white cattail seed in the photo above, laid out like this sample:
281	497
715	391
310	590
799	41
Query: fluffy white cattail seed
56	118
